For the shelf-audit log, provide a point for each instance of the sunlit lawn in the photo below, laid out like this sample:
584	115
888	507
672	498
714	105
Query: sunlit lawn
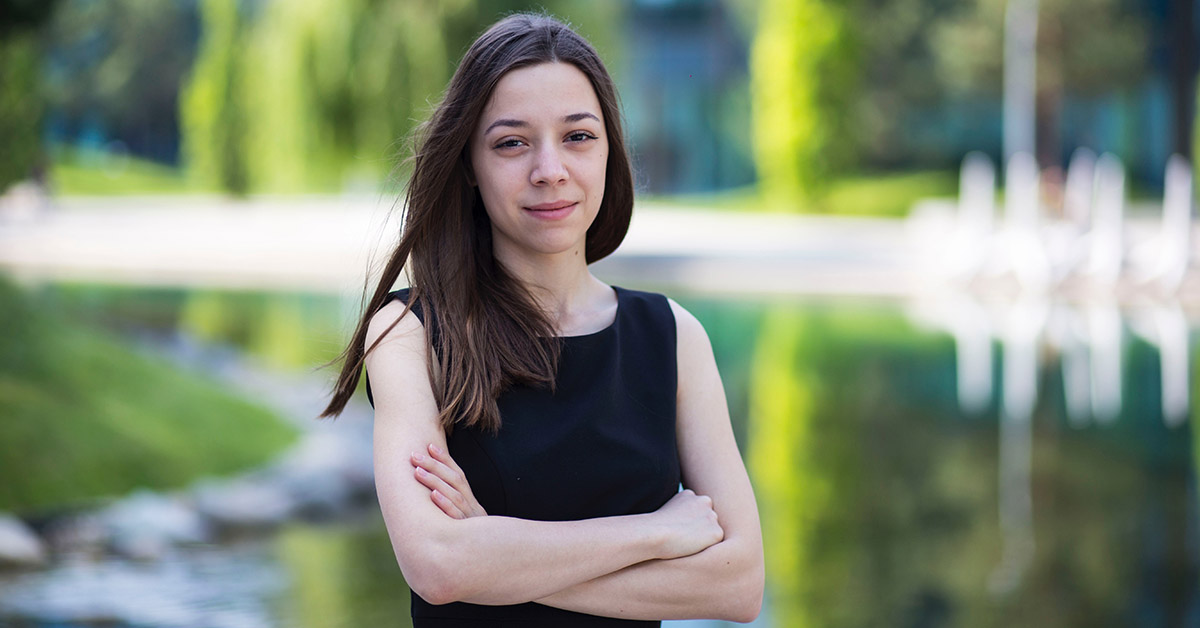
87	417
882	194
91	173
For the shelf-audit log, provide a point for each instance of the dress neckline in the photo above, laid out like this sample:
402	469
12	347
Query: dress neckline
611	326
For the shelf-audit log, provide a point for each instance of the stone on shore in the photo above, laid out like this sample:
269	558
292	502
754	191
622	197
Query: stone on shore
145	525
243	503
19	545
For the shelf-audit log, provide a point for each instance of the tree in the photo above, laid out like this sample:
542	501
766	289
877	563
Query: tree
213	120
115	68
22	97
1087	47
316	95
803	77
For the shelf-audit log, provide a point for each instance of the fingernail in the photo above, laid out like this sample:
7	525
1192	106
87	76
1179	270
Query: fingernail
418	457
435	449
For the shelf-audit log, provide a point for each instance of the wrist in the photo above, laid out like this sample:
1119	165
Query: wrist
656	536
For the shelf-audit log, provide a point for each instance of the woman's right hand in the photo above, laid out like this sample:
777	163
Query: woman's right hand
691	524
447	483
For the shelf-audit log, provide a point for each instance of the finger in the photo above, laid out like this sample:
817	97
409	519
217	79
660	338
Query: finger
434	483
440	464
444	457
441	470
446	505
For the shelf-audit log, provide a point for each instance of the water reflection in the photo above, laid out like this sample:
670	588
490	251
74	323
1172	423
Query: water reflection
952	473
304	576
1088	339
968	461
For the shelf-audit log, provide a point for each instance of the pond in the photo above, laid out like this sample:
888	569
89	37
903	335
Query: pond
1020	464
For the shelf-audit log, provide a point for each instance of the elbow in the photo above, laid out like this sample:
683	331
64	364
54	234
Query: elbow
428	576
746	598
746	604
436	591
748	607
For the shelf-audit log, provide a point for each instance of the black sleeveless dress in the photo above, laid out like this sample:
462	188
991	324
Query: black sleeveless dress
602	445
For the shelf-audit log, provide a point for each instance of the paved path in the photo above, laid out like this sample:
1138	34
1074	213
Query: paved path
326	244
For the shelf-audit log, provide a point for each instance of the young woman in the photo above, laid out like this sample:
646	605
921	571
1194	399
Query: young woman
534	426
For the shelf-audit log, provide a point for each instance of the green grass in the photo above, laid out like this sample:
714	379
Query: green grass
76	172
84	417
886	194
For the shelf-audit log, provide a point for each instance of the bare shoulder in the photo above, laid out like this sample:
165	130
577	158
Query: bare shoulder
408	331
690	333
399	362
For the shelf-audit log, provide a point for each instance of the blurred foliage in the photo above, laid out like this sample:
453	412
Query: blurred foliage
284	331
835	85
115	70
1089	46
880	500
214	121
23	15
1085	48
88	418
792	490
803	77
90	172
886	193
897	55
21	107
281	330
343	577
862	194
22	100
322	95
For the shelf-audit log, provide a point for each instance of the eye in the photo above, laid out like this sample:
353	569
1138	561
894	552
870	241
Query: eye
509	143
580	136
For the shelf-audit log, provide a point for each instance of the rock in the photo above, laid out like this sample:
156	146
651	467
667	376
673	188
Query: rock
243	503
24	202
323	473
146	524
19	546
76	534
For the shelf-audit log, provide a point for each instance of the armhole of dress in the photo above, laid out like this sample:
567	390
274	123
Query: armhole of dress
673	328
402	296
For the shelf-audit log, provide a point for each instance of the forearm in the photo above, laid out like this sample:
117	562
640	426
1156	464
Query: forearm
501	560
724	581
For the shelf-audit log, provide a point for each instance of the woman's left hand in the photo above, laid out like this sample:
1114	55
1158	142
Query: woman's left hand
447	484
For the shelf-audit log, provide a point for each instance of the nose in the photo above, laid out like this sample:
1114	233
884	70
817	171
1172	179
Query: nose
549	168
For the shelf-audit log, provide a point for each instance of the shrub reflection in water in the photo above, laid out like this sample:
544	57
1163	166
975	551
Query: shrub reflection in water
898	484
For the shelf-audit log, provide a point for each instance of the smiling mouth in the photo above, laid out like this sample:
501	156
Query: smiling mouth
549	207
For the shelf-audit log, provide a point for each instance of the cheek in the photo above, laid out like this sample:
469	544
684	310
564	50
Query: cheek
494	184
599	174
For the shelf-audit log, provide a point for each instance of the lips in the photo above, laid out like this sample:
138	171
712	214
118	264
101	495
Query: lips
554	210
551	206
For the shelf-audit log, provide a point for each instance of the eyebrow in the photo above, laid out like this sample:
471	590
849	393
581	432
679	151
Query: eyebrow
520	124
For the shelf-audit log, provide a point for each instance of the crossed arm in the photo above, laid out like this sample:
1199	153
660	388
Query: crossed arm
700	555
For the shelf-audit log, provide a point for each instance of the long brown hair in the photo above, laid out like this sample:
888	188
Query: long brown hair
490	332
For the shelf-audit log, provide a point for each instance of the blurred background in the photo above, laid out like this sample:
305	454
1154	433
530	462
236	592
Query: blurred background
943	249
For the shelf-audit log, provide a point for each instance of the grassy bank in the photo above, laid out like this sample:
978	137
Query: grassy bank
879	194
95	173
85	417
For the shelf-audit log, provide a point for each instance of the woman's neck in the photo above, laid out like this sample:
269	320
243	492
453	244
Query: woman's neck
561	284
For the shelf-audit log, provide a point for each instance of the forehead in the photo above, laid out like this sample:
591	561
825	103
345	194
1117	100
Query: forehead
542	92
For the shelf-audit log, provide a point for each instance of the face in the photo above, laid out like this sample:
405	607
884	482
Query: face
538	155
